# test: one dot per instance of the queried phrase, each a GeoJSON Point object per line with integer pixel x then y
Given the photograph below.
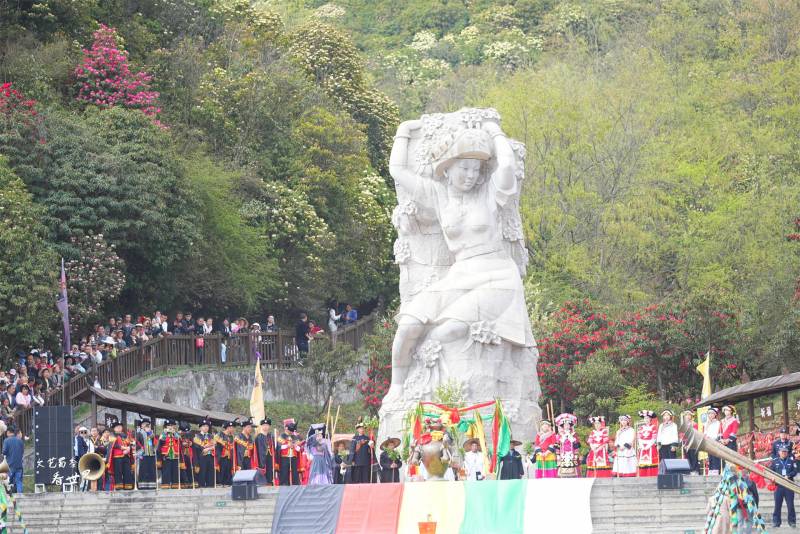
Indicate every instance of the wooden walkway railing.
{"type": "Point", "coordinates": [276, 349]}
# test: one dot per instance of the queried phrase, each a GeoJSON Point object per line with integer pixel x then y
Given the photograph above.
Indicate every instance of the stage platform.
{"type": "Point", "coordinates": [624, 505]}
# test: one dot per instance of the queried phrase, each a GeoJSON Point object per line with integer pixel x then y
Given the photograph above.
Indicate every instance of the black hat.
{"type": "Point", "coordinates": [206, 422]}
{"type": "Point", "coordinates": [169, 422]}
{"type": "Point", "coordinates": [247, 422]}
{"type": "Point", "coordinates": [228, 424]}
{"type": "Point", "coordinates": [266, 421]}
{"type": "Point", "coordinates": [115, 424]}
{"type": "Point", "coordinates": [291, 427]}
{"type": "Point", "coordinates": [143, 420]}
{"type": "Point", "coordinates": [185, 427]}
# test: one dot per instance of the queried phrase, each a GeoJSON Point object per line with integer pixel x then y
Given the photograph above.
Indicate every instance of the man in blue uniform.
{"type": "Point", "coordinates": [784, 466]}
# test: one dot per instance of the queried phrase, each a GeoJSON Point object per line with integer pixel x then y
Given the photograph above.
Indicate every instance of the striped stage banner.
{"type": "Point", "coordinates": [485, 507]}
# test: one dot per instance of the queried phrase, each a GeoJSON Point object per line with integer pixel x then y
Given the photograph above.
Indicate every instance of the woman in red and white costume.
{"type": "Point", "coordinates": [625, 449]}
{"type": "Point", "coordinates": [597, 461]}
{"type": "Point", "coordinates": [713, 431]}
{"type": "Point", "coordinates": [646, 444]}
{"type": "Point", "coordinates": [729, 426]}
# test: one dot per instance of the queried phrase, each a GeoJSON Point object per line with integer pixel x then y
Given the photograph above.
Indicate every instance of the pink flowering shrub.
{"type": "Point", "coordinates": [375, 384]}
{"type": "Point", "coordinates": [105, 79]}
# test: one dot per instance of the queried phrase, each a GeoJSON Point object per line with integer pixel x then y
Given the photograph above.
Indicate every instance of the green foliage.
{"type": "Point", "coordinates": [637, 398]}
{"type": "Point", "coordinates": [327, 365]}
{"type": "Point", "coordinates": [28, 268]}
{"type": "Point", "coordinates": [599, 384]}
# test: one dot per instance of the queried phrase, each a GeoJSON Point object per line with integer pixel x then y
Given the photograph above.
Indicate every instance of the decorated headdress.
{"type": "Point", "coordinates": [543, 422]}
{"type": "Point", "coordinates": [647, 413]}
{"type": "Point", "coordinates": [690, 413]}
{"type": "Point", "coordinates": [287, 422]}
{"type": "Point", "coordinates": [731, 407]}
{"type": "Point", "coordinates": [667, 411]}
{"type": "Point", "coordinates": [316, 426]}
{"type": "Point", "coordinates": [713, 409]}
{"type": "Point", "coordinates": [566, 418]}
{"type": "Point", "coordinates": [597, 419]}
{"type": "Point", "coordinates": [624, 417]}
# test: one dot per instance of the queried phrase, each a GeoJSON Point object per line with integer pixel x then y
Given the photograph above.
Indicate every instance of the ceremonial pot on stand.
{"type": "Point", "coordinates": [436, 458]}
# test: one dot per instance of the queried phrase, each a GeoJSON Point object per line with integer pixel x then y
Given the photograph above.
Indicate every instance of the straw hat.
{"type": "Point", "coordinates": [393, 441]}
{"type": "Point", "coordinates": [469, 442]}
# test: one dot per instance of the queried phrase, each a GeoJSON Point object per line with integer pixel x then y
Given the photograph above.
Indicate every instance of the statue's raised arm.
{"type": "Point", "coordinates": [461, 255]}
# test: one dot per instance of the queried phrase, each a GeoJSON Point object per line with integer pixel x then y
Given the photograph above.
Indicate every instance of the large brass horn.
{"type": "Point", "coordinates": [699, 442]}
{"type": "Point", "coordinates": [91, 466]}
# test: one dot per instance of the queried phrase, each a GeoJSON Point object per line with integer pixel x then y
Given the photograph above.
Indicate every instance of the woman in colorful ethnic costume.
{"type": "Point", "coordinates": [646, 444]}
{"type": "Point", "coordinates": [713, 431]}
{"type": "Point", "coordinates": [729, 426]}
{"type": "Point", "coordinates": [624, 449]}
{"type": "Point", "coordinates": [318, 448]}
{"type": "Point", "coordinates": [568, 446]}
{"type": "Point", "coordinates": [544, 451]}
{"type": "Point", "coordinates": [597, 461]}
{"type": "Point", "coordinates": [667, 440]}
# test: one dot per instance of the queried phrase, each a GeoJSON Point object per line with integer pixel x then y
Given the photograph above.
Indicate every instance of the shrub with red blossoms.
{"type": "Point", "coordinates": [105, 78]}
{"type": "Point", "coordinates": [19, 114]}
{"type": "Point", "coordinates": [375, 384]}
{"type": "Point", "coordinates": [580, 331]}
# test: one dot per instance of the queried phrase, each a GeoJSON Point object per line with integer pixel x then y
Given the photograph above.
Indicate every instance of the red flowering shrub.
{"type": "Point", "coordinates": [19, 114]}
{"type": "Point", "coordinates": [580, 331]}
{"type": "Point", "coordinates": [375, 384]}
{"type": "Point", "coordinates": [105, 78]}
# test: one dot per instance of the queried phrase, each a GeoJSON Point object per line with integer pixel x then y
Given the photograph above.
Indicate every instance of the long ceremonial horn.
{"type": "Point", "coordinates": [699, 442]}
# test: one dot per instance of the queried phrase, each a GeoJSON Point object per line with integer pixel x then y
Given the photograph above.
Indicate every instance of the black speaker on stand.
{"type": "Point", "coordinates": [670, 473]}
{"type": "Point", "coordinates": [245, 484]}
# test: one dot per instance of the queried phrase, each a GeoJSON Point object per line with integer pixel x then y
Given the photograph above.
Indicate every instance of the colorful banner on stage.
{"type": "Point", "coordinates": [485, 507]}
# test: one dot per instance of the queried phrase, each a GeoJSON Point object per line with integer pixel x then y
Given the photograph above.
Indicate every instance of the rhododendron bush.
{"type": "Point", "coordinates": [105, 78]}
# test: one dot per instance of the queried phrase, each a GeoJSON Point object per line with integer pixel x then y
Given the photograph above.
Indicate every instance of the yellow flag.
{"type": "Point", "coordinates": [705, 370]}
{"type": "Point", "coordinates": [257, 396]}
{"type": "Point", "coordinates": [478, 433]}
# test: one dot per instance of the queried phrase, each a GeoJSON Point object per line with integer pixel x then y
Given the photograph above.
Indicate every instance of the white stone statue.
{"type": "Point", "coordinates": [462, 256]}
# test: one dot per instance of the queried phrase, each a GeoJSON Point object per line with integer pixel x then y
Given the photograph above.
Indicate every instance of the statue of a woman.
{"type": "Point", "coordinates": [467, 320]}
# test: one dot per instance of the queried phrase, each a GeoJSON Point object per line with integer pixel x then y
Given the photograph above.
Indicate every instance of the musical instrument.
{"type": "Point", "coordinates": [697, 441]}
{"type": "Point", "coordinates": [91, 466]}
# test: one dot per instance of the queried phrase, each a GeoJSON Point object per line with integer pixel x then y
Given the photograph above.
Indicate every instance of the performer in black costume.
{"type": "Point", "coordinates": [265, 450]}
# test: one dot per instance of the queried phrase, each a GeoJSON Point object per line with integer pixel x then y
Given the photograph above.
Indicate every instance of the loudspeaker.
{"type": "Point", "coordinates": [674, 466]}
{"type": "Point", "coordinates": [670, 481]}
{"type": "Point", "coordinates": [245, 476]}
{"type": "Point", "coordinates": [245, 484]}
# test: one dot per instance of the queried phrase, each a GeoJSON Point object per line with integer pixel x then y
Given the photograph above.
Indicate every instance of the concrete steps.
{"type": "Point", "coordinates": [628, 506]}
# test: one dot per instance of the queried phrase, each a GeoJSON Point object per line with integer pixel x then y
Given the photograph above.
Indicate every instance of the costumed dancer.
{"type": "Point", "coordinates": [689, 453]}
{"type": "Point", "coordinates": [146, 453]}
{"type": "Point", "coordinates": [713, 431]}
{"type": "Point", "coordinates": [187, 465]}
{"type": "Point", "coordinates": [667, 439]}
{"type": "Point", "coordinates": [244, 456]}
{"type": "Point", "coordinates": [361, 455]}
{"type": "Point", "coordinates": [291, 448]}
{"type": "Point", "coordinates": [390, 461]}
{"type": "Point", "coordinates": [318, 449]}
{"type": "Point", "coordinates": [120, 459]}
{"type": "Point", "coordinates": [544, 451]}
{"type": "Point", "coordinates": [224, 452]}
{"type": "Point", "coordinates": [205, 448]}
{"type": "Point", "coordinates": [729, 427]}
{"type": "Point", "coordinates": [265, 450]}
{"type": "Point", "coordinates": [511, 463]}
{"type": "Point", "coordinates": [473, 459]}
{"type": "Point", "coordinates": [568, 445]}
{"type": "Point", "coordinates": [598, 464]}
{"type": "Point", "coordinates": [624, 449]}
{"type": "Point", "coordinates": [169, 452]}
{"type": "Point", "coordinates": [341, 473]}
{"type": "Point", "coordinates": [646, 444]}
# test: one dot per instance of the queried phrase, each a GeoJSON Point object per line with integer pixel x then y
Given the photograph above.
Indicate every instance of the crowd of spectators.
{"type": "Point", "coordinates": [39, 371]}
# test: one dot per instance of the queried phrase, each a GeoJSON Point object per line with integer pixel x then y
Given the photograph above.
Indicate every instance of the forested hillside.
{"type": "Point", "coordinates": [662, 181]}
